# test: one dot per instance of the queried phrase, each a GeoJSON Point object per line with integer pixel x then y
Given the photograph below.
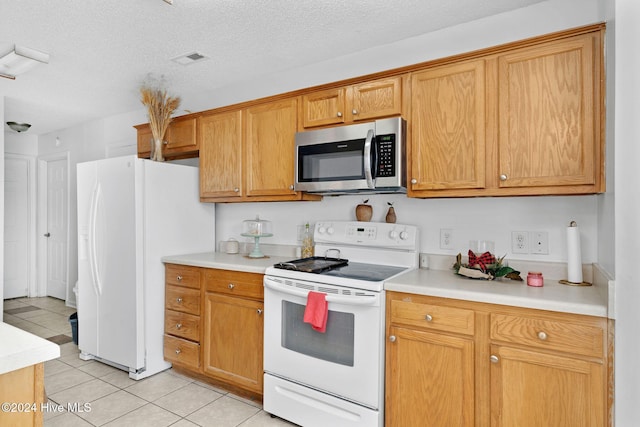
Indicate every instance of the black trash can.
{"type": "Point", "coordinates": [73, 319]}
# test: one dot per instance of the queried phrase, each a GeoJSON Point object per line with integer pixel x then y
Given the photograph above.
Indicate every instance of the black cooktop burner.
{"type": "Point", "coordinates": [314, 264]}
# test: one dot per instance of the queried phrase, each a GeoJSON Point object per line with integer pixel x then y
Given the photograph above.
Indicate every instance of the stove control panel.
{"type": "Point", "coordinates": [371, 234]}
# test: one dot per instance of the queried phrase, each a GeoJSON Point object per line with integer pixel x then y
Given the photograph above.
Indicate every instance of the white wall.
{"type": "Point", "coordinates": [1, 209]}
{"type": "Point", "coordinates": [627, 212]}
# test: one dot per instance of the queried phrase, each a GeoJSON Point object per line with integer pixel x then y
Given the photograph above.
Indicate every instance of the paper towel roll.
{"type": "Point", "coordinates": [574, 256]}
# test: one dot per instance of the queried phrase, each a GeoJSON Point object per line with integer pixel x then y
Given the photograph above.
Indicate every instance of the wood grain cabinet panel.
{"type": "Point", "coordinates": [179, 141]}
{"type": "Point", "coordinates": [182, 352]}
{"type": "Point", "coordinates": [548, 111]}
{"type": "Point", "coordinates": [448, 127]}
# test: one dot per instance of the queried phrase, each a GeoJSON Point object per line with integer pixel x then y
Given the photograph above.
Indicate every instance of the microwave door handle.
{"type": "Point", "coordinates": [368, 172]}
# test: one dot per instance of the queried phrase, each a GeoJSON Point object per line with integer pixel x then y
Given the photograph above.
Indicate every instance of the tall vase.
{"type": "Point", "coordinates": [156, 150]}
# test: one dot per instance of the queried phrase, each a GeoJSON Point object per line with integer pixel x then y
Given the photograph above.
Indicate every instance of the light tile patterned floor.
{"type": "Point", "coordinates": [164, 399]}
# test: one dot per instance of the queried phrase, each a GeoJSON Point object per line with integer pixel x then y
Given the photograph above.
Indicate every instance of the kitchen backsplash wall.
{"type": "Point", "coordinates": [488, 218]}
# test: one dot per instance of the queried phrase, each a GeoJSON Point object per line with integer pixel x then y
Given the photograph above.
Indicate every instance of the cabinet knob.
{"type": "Point", "coordinates": [354, 112]}
{"type": "Point", "coordinates": [392, 338]}
{"type": "Point", "coordinates": [231, 286]}
{"type": "Point", "coordinates": [414, 181]}
{"type": "Point", "coordinates": [259, 311]}
{"type": "Point", "coordinates": [291, 187]}
{"type": "Point", "coordinates": [428, 318]}
{"type": "Point", "coordinates": [339, 114]}
{"type": "Point", "coordinates": [178, 351]}
{"type": "Point", "coordinates": [236, 189]}
{"type": "Point", "coordinates": [178, 325]}
{"type": "Point", "coordinates": [179, 278]}
{"type": "Point", "coordinates": [165, 142]}
{"type": "Point", "coordinates": [542, 335]}
{"type": "Point", "coordinates": [503, 177]}
{"type": "Point", "coordinates": [494, 358]}
{"type": "Point", "coordinates": [179, 300]}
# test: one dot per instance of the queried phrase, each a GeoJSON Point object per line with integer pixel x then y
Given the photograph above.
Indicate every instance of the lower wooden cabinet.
{"type": "Point", "coordinates": [452, 362]}
{"type": "Point", "coordinates": [214, 325]}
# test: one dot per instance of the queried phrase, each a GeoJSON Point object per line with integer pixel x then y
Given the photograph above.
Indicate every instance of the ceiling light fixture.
{"type": "Point", "coordinates": [19, 127]}
{"type": "Point", "coordinates": [21, 59]}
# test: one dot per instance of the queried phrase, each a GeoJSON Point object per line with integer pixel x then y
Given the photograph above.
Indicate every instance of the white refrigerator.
{"type": "Point", "coordinates": [131, 213]}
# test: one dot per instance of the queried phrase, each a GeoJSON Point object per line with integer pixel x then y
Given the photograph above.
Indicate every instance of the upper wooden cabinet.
{"type": "Point", "coordinates": [179, 141]}
{"type": "Point", "coordinates": [364, 101]}
{"type": "Point", "coordinates": [548, 109]}
{"type": "Point", "coordinates": [448, 127]}
{"type": "Point", "coordinates": [523, 121]}
{"type": "Point", "coordinates": [248, 154]}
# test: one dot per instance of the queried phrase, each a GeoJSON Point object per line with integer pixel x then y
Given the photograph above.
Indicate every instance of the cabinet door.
{"type": "Point", "coordinates": [145, 140]}
{"type": "Point", "coordinates": [380, 98]}
{"type": "Point", "coordinates": [270, 148]}
{"type": "Point", "coordinates": [547, 111]}
{"type": "Point", "coordinates": [448, 128]}
{"type": "Point", "coordinates": [181, 136]}
{"type": "Point", "coordinates": [220, 138]}
{"type": "Point", "coordinates": [326, 107]}
{"type": "Point", "coordinates": [430, 379]}
{"type": "Point", "coordinates": [233, 340]}
{"type": "Point", "coordinates": [535, 389]}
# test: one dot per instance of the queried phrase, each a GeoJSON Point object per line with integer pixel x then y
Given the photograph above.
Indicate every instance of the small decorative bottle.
{"type": "Point", "coordinates": [307, 242]}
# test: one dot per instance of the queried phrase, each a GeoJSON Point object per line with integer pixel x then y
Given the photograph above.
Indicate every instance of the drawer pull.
{"type": "Point", "coordinates": [494, 358]}
{"type": "Point", "coordinates": [392, 338]}
{"type": "Point", "coordinates": [503, 177]}
{"type": "Point", "coordinates": [178, 351]}
{"type": "Point", "coordinates": [179, 300]}
{"type": "Point", "coordinates": [178, 325]}
{"type": "Point", "coordinates": [259, 311]}
{"type": "Point", "coordinates": [339, 114]}
{"type": "Point", "coordinates": [179, 278]}
{"type": "Point", "coordinates": [231, 286]}
{"type": "Point", "coordinates": [428, 318]}
{"type": "Point", "coordinates": [542, 335]}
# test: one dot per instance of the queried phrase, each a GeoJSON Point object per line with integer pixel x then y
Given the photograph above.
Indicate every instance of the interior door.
{"type": "Point", "coordinates": [57, 228]}
{"type": "Point", "coordinates": [16, 228]}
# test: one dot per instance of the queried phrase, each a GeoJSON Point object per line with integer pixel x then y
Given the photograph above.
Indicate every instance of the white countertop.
{"type": "Point", "coordinates": [225, 261]}
{"type": "Point", "coordinates": [553, 296]}
{"type": "Point", "coordinates": [20, 349]}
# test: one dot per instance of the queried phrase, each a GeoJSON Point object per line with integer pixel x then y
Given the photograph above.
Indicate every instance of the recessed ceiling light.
{"type": "Point", "coordinates": [190, 58]}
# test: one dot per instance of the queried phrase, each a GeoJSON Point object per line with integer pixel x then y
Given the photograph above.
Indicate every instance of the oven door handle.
{"type": "Point", "coordinates": [359, 300]}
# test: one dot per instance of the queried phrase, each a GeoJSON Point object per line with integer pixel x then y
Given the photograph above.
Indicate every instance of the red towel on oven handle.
{"type": "Point", "coordinates": [317, 311]}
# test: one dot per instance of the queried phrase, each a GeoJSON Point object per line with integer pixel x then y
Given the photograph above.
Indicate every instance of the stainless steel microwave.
{"type": "Point", "coordinates": [359, 158]}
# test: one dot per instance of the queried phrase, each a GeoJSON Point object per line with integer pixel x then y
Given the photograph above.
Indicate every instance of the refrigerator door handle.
{"type": "Point", "coordinates": [93, 224]}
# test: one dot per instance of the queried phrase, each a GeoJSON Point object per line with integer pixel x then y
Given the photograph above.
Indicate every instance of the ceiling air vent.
{"type": "Point", "coordinates": [190, 58]}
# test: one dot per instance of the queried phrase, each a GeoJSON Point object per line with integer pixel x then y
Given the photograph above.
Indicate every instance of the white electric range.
{"type": "Point", "coordinates": [335, 377]}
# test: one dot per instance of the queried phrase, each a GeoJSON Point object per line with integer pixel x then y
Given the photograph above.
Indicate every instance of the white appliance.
{"type": "Point", "coordinates": [131, 212]}
{"type": "Point", "coordinates": [335, 378]}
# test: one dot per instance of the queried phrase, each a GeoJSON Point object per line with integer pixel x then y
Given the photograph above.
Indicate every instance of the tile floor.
{"type": "Point", "coordinates": [164, 399]}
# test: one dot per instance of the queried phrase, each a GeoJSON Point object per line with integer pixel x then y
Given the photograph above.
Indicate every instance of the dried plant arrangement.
{"type": "Point", "coordinates": [160, 106]}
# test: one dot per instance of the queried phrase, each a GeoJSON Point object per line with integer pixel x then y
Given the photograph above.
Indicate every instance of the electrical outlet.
{"type": "Point", "coordinates": [539, 242]}
{"type": "Point", "coordinates": [520, 242]}
{"type": "Point", "coordinates": [446, 238]}
{"type": "Point", "coordinates": [424, 261]}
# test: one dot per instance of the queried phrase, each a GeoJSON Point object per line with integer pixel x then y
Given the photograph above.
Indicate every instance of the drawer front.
{"type": "Point", "coordinates": [566, 336]}
{"type": "Point", "coordinates": [182, 275]}
{"type": "Point", "coordinates": [433, 317]}
{"type": "Point", "coordinates": [183, 300]}
{"type": "Point", "coordinates": [182, 325]}
{"type": "Point", "coordinates": [177, 350]}
{"type": "Point", "coordinates": [234, 283]}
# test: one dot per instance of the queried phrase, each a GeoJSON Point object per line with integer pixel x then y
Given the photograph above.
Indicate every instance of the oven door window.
{"type": "Point", "coordinates": [335, 345]}
{"type": "Point", "coordinates": [335, 161]}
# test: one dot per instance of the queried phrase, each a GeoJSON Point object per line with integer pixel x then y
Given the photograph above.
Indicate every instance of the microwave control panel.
{"type": "Point", "coordinates": [386, 150]}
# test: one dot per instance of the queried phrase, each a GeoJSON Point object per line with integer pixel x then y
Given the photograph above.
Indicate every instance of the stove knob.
{"type": "Point", "coordinates": [330, 230]}
{"type": "Point", "coordinates": [321, 230]}
{"type": "Point", "coordinates": [393, 234]}
{"type": "Point", "coordinates": [404, 235]}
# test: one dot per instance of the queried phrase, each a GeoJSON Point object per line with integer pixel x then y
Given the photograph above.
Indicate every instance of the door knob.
{"type": "Point", "coordinates": [47, 234]}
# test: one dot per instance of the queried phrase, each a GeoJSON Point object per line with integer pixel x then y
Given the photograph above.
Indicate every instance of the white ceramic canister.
{"type": "Point", "coordinates": [232, 246]}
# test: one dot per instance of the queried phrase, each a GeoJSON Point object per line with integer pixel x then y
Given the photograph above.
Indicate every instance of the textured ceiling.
{"type": "Point", "coordinates": [101, 51]}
